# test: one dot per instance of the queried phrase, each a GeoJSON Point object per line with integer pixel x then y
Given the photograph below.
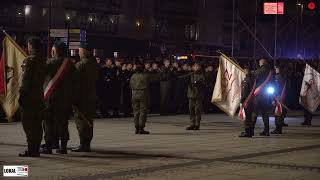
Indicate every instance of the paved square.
{"type": "Point", "coordinates": [171, 152]}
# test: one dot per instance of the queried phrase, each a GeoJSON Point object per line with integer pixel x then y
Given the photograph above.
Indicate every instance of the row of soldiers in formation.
{"type": "Point", "coordinates": [50, 90]}
{"type": "Point", "coordinates": [168, 95]}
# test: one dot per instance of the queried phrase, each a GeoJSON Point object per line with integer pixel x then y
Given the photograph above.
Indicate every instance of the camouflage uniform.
{"type": "Point", "coordinates": [31, 100]}
{"type": "Point", "coordinates": [139, 84]}
{"type": "Point", "coordinates": [87, 72]}
{"type": "Point", "coordinates": [195, 95]}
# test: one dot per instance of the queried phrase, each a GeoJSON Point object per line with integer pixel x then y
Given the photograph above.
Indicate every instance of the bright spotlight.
{"type": "Point", "coordinates": [270, 90]}
{"type": "Point", "coordinates": [27, 10]}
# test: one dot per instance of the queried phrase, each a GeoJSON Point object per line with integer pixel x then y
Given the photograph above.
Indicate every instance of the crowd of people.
{"type": "Point", "coordinates": [167, 96]}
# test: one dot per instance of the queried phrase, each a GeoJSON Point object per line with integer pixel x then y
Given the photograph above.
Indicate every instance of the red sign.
{"type": "Point", "coordinates": [273, 8]}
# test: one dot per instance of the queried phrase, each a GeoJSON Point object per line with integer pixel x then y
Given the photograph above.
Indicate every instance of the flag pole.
{"type": "Point", "coordinates": [14, 42]}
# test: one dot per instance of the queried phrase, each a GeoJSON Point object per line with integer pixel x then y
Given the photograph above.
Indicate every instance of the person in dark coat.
{"type": "Point", "coordinates": [107, 78]}
{"type": "Point", "coordinates": [165, 88]}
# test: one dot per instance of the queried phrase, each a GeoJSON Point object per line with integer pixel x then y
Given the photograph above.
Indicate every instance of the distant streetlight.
{"type": "Point", "coordinates": [138, 23]}
{"type": "Point", "coordinates": [90, 19]}
{"type": "Point", "coordinates": [299, 4]}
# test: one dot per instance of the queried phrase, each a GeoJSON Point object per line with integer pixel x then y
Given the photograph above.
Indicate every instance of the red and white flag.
{"type": "Point", "coordinates": [310, 89]}
{"type": "Point", "coordinates": [227, 90]}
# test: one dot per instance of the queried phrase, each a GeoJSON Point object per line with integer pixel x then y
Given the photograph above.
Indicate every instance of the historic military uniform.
{"type": "Point", "coordinates": [87, 72]}
{"type": "Point", "coordinates": [261, 101]}
{"type": "Point", "coordinates": [246, 88]}
{"type": "Point", "coordinates": [31, 101]}
{"type": "Point", "coordinates": [195, 95]}
{"type": "Point", "coordinates": [59, 104]}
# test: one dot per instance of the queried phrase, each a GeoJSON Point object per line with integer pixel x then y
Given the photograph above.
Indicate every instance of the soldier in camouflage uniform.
{"type": "Point", "coordinates": [195, 95]}
{"type": "Point", "coordinates": [87, 72]}
{"type": "Point", "coordinates": [139, 84]}
{"type": "Point", "coordinates": [31, 97]}
{"type": "Point", "coordinates": [59, 103]}
{"type": "Point", "coordinates": [246, 87]}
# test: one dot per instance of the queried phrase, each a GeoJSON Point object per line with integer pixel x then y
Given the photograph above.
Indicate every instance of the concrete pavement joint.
{"type": "Point", "coordinates": [277, 166]}
{"type": "Point", "coordinates": [199, 162]}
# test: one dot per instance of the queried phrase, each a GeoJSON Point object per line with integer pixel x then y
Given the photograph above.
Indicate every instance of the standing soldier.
{"type": "Point", "coordinates": [87, 69]}
{"type": "Point", "coordinates": [195, 95]}
{"type": "Point", "coordinates": [59, 89]}
{"type": "Point", "coordinates": [263, 76]}
{"type": "Point", "coordinates": [139, 84]}
{"type": "Point", "coordinates": [246, 87]}
{"type": "Point", "coordinates": [31, 97]}
{"type": "Point", "coordinates": [280, 83]}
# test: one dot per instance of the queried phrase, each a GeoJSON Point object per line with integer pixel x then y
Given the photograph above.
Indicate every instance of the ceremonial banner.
{"type": "Point", "coordinates": [310, 89]}
{"type": "Point", "coordinates": [227, 90]}
{"type": "Point", "coordinates": [12, 59]}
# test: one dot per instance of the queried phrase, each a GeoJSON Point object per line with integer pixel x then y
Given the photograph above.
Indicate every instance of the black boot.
{"type": "Point", "coordinates": [142, 131]}
{"type": "Point", "coordinates": [31, 152]}
{"type": "Point", "coordinates": [246, 133]}
{"type": "Point", "coordinates": [265, 133]}
{"type": "Point", "coordinates": [137, 130]}
{"type": "Point", "coordinates": [190, 128]}
{"type": "Point", "coordinates": [63, 147]}
{"type": "Point", "coordinates": [277, 131]}
{"type": "Point", "coordinates": [55, 145]}
{"type": "Point", "coordinates": [47, 149]}
{"type": "Point", "coordinates": [196, 128]}
{"type": "Point", "coordinates": [84, 147]}
{"type": "Point", "coordinates": [306, 123]}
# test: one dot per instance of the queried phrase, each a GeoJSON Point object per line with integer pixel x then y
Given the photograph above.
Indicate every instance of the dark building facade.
{"type": "Point", "coordinates": [164, 27]}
